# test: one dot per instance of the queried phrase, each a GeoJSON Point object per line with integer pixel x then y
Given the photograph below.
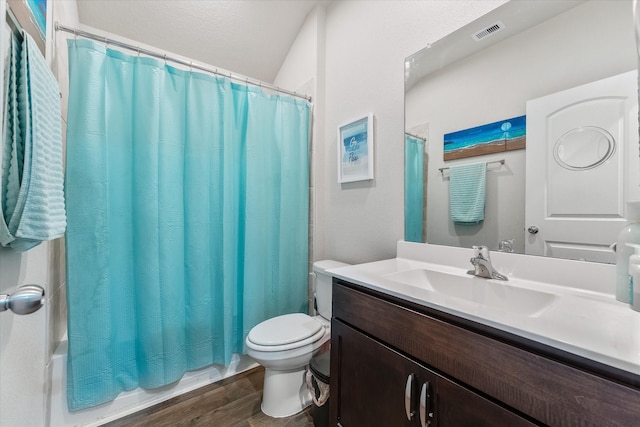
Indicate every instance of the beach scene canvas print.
{"type": "Point", "coordinates": [505, 135]}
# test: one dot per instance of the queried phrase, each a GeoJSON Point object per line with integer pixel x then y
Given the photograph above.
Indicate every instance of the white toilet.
{"type": "Point", "coordinates": [284, 345]}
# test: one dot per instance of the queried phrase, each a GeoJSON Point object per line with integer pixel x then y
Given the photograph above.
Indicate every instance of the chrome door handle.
{"type": "Point", "coordinates": [25, 300]}
{"type": "Point", "coordinates": [408, 397]}
{"type": "Point", "coordinates": [425, 410]}
{"type": "Point", "coordinates": [533, 229]}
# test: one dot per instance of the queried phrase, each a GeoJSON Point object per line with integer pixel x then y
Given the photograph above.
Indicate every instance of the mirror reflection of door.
{"type": "Point", "coordinates": [586, 148]}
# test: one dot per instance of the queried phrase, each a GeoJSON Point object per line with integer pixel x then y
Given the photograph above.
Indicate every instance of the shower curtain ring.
{"type": "Point", "coordinates": [165, 59]}
{"type": "Point", "coordinates": [190, 65]}
{"type": "Point", "coordinates": [138, 51]}
{"type": "Point", "coordinates": [75, 33]}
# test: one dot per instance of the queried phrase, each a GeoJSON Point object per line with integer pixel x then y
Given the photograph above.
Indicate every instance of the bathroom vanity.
{"type": "Point", "coordinates": [412, 348]}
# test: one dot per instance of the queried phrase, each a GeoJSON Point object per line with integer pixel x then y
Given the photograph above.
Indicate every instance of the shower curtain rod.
{"type": "Point", "coordinates": [421, 138]}
{"type": "Point", "coordinates": [165, 57]}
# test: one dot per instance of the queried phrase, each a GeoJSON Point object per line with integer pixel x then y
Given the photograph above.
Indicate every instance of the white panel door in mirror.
{"type": "Point", "coordinates": [583, 148]}
{"type": "Point", "coordinates": [582, 161]}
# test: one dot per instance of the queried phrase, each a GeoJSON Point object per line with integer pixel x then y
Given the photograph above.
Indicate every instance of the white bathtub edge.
{"type": "Point", "coordinates": [132, 401]}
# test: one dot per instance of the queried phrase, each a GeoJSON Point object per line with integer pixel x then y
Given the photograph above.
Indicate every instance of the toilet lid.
{"type": "Point", "coordinates": [285, 329]}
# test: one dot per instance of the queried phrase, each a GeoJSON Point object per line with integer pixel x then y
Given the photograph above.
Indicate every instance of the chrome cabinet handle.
{"type": "Point", "coordinates": [408, 397]}
{"type": "Point", "coordinates": [425, 411]}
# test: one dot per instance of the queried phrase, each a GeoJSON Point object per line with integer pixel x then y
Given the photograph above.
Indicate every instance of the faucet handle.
{"type": "Point", "coordinates": [506, 245]}
{"type": "Point", "coordinates": [481, 251]}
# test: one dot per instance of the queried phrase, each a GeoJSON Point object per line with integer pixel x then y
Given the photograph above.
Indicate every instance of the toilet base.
{"type": "Point", "coordinates": [285, 393]}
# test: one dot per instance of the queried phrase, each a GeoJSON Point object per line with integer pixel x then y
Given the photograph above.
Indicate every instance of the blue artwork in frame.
{"type": "Point", "coordinates": [355, 150]}
{"type": "Point", "coordinates": [38, 9]}
{"type": "Point", "coordinates": [504, 135]}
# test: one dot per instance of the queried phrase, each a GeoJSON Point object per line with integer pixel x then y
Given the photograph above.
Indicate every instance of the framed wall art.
{"type": "Point", "coordinates": [505, 135]}
{"type": "Point", "coordinates": [355, 150]}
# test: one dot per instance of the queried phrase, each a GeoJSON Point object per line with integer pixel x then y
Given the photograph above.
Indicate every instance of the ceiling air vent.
{"type": "Point", "coordinates": [490, 30]}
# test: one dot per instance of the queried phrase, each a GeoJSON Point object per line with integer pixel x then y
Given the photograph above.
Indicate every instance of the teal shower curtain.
{"type": "Point", "coordinates": [413, 188]}
{"type": "Point", "coordinates": [187, 200]}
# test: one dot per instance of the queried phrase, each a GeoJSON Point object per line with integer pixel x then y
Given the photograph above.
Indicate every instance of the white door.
{"type": "Point", "coordinates": [23, 342]}
{"type": "Point", "coordinates": [23, 339]}
{"type": "Point", "coordinates": [582, 168]}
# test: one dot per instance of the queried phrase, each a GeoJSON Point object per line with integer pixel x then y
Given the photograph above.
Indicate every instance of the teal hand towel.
{"type": "Point", "coordinates": [12, 145]}
{"type": "Point", "coordinates": [32, 137]}
{"type": "Point", "coordinates": [467, 192]}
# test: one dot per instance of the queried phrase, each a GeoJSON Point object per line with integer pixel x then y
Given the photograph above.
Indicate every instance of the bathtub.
{"type": "Point", "coordinates": [127, 402]}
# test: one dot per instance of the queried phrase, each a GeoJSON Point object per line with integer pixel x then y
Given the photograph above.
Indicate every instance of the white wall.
{"type": "Point", "coordinates": [471, 92]}
{"type": "Point", "coordinates": [366, 44]}
{"type": "Point", "coordinates": [303, 72]}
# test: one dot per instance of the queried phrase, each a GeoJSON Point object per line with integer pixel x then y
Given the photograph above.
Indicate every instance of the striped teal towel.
{"type": "Point", "coordinates": [466, 192]}
{"type": "Point", "coordinates": [31, 190]}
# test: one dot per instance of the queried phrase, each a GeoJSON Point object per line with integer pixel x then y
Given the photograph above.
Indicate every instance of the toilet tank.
{"type": "Point", "coordinates": [322, 285]}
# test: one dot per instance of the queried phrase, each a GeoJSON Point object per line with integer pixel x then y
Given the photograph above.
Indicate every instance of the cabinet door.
{"type": "Point", "coordinates": [369, 388]}
{"type": "Point", "coordinates": [458, 406]}
{"type": "Point", "coordinates": [369, 382]}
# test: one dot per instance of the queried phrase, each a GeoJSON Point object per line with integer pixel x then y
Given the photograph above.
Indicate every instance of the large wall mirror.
{"type": "Point", "coordinates": [568, 70]}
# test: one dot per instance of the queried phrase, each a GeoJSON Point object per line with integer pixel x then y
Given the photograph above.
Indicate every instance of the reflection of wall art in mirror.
{"type": "Point", "coordinates": [355, 150]}
{"type": "Point", "coordinates": [504, 135]}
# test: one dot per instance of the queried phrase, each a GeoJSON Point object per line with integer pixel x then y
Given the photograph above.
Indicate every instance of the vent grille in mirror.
{"type": "Point", "coordinates": [490, 30]}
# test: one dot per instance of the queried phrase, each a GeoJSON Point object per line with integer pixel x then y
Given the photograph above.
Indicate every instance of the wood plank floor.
{"type": "Point", "coordinates": [232, 402]}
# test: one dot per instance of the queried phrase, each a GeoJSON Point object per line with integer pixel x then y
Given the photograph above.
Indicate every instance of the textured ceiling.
{"type": "Point", "coordinates": [248, 37]}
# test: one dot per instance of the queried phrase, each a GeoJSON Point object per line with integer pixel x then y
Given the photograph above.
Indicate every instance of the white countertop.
{"type": "Point", "coordinates": [580, 320]}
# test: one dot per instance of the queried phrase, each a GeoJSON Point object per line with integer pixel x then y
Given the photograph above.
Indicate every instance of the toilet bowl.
{"type": "Point", "coordinates": [285, 359]}
{"type": "Point", "coordinates": [285, 344]}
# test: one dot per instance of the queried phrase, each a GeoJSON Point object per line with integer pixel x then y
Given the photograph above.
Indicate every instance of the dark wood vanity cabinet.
{"type": "Point", "coordinates": [378, 386]}
{"type": "Point", "coordinates": [384, 352]}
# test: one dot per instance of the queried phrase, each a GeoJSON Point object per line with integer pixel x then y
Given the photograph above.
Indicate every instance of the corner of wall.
{"type": "Point", "coordinates": [303, 72]}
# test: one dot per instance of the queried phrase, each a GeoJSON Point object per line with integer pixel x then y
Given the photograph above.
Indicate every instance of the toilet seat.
{"type": "Point", "coordinates": [285, 333]}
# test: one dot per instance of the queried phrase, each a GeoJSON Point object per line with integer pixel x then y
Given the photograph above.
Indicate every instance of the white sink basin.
{"type": "Point", "coordinates": [493, 294]}
{"type": "Point", "coordinates": [569, 305]}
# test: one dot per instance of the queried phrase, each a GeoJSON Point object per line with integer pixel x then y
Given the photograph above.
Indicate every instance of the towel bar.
{"type": "Point", "coordinates": [501, 161]}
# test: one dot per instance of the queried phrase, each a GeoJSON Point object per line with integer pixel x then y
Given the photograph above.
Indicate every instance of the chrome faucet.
{"type": "Point", "coordinates": [506, 246]}
{"type": "Point", "coordinates": [482, 264]}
